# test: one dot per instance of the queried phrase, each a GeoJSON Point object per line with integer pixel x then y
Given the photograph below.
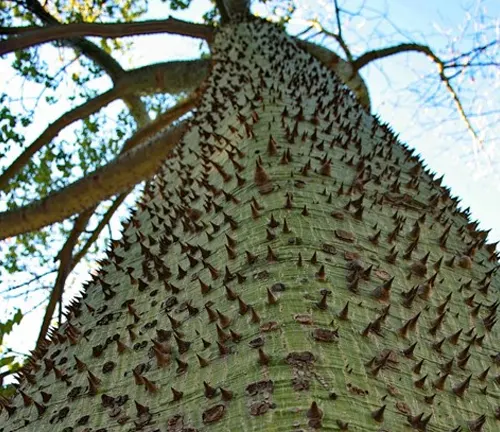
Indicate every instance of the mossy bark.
{"type": "Point", "coordinates": [293, 267]}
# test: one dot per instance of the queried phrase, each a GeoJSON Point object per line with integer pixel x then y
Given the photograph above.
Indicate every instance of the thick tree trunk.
{"type": "Point", "coordinates": [294, 267]}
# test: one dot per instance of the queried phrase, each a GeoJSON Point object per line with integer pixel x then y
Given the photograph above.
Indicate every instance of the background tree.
{"type": "Point", "coordinates": [49, 162]}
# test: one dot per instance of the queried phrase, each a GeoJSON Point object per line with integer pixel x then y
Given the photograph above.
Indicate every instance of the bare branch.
{"type": "Point", "coordinates": [370, 56]}
{"type": "Point", "coordinates": [378, 54]}
{"type": "Point", "coordinates": [28, 282]}
{"type": "Point", "coordinates": [105, 30]}
{"type": "Point", "coordinates": [338, 37]}
{"type": "Point", "coordinates": [321, 30]}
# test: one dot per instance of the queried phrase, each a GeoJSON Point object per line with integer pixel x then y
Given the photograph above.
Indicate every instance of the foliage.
{"type": "Point", "coordinates": [8, 361]}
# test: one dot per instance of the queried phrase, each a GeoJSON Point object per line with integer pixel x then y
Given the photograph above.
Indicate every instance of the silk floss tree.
{"type": "Point", "coordinates": [290, 266]}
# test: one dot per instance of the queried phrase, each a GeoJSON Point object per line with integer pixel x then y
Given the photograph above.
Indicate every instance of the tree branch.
{"type": "Point", "coordinates": [98, 229]}
{"type": "Point", "coordinates": [373, 55]}
{"type": "Point", "coordinates": [53, 130]}
{"type": "Point", "coordinates": [378, 54]}
{"type": "Point", "coordinates": [102, 59]}
{"type": "Point", "coordinates": [63, 271]}
{"type": "Point", "coordinates": [161, 123]}
{"type": "Point", "coordinates": [170, 77]}
{"type": "Point", "coordinates": [122, 173]}
{"type": "Point", "coordinates": [89, 49]}
{"type": "Point", "coordinates": [338, 37]}
{"type": "Point", "coordinates": [42, 35]}
{"type": "Point", "coordinates": [28, 282]}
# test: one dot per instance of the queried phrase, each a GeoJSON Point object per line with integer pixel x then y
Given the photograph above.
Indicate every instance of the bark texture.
{"type": "Point", "coordinates": [293, 268]}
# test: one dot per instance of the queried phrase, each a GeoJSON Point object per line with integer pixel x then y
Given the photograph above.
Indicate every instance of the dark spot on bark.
{"type": "Point", "coordinates": [150, 325]}
{"type": "Point", "coordinates": [60, 416]}
{"type": "Point", "coordinates": [259, 408]}
{"type": "Point", "coordinates": [108, 366]}
{"type": "Point", "coordinates": [140, 345]}
{"type": "Point", "coordinates": [303, 318]}
{"type": "Point", "coordinates": [329, 248]}
{"type": "Point", "coordinates": [74, 392]}
{"type": "Point", "coordinates": [325, 335]}
{"type": "Point", "coordinates": [299, 357]}
{"type": "Point", "coordinates": [300, 383]}
{"type": "Point", "coordinates": [269, 326]}
{"type": "Point", "coordinates": [169, 303]}
{"type": "Point", "coordinates": [278, 287]}
{"type": "Point", "coordinates": [345, 235]}
{"type": "Point", "coordinates": [97, 350]}
{"type": "Point", "coordinates": [213, 414]}
{"type": "Point", "coordinates": [356, 390]}
{"type": "Point", "coordinates": [83, 420]}
{"type": "Point", "coordinates": [260, 387]}
{"type": "Point", "coordinates": [107, 401]}
{"type": "Point", "coordinates": [257, 342]}
{"type": "Point", "coordinates": [55, 354]}
{"type": "Point", "coordinates": [261, 275]}
{"type": "Point", "coordinates": [102, 309]}
{"type": "Point", "coordinates": [338, 215]}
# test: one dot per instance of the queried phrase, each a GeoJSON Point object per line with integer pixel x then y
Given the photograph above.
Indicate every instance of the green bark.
{"type": "Point", "coordinates": [293, 268]}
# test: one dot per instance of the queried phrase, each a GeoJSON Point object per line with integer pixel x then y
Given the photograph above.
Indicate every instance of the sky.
{"type": "Point", "coordinates": [471, 177]}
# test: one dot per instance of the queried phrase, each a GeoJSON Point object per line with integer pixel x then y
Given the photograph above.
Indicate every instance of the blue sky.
{"type": "Point", "coordinates": [473, 178]}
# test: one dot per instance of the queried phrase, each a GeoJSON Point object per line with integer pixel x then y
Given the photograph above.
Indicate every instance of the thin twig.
{"type": "Point", "coordinates": [338, 37]}
{"type": "Point", "coordinates": [33, 279]}
{"type": "Point", "coordinates": [370, 56]}
{"type": "Point", "coordinates": [97, 230]}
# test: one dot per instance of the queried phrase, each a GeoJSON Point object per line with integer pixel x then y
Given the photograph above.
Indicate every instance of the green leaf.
{"type": "Point", "coordinates": [5, 361]}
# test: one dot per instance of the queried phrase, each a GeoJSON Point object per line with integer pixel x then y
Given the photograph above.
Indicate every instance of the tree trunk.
{"type": "Point", "coordinates": [292, 268]}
